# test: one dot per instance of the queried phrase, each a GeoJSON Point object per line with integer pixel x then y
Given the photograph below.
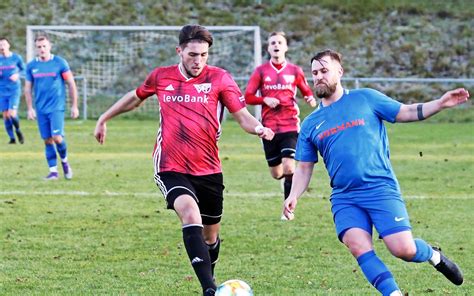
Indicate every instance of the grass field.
{"type": "Point", "coordinates": [107, 231]}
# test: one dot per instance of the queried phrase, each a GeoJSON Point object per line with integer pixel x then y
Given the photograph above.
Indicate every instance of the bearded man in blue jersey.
{"type": "Point", "coordinates": [348, 131]}
{"type": "Point", "coordinates": [47, 74]}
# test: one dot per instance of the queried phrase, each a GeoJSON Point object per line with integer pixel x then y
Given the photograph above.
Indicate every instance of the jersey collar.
{"type": "Point", "coordinates": [344, 93]}
{"type": "Point", "coordinates": [51, 57]}
{"type": "Point", "coordinates": [180, 67]}
{"type": "Point", "coordinates": [282, 67]}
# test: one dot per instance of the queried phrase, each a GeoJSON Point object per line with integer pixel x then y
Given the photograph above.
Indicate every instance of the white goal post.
{"type": "Point", "coordinates": [115, 59]}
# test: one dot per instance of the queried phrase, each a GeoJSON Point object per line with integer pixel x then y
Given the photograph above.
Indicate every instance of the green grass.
{"type": "Point", "coordinates": [107, 231]}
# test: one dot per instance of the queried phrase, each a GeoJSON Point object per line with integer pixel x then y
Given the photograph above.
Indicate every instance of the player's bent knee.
{"type": "Point", "coordinates": [188, 211]}
{"type": "Point", "coordinates": [49, 141]}
{"type": "Point", "coordinates": [277, 175]}
{"type": "Point", "coordinates": [403, 251]}
{"type": "Point", "coordinates": [357, 241]}
{"type": "Point", "coordinates": [289, 169]}
{"type": "Point", "coordinates": [358, 247]}
{"type": "Point", "coordinates": [189, 217]}
{"type": "Point", "coordinates": [58, 139]}
{"type": "Point", "coordinates": [211, 233]}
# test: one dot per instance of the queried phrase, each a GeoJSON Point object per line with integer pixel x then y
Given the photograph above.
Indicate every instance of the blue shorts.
{"type": "Point", "coordinates": [388, 216]}
{"type": "Point", "coordinates": [51, 124]}
{"type": "Point", "coordinates": [10, 101]}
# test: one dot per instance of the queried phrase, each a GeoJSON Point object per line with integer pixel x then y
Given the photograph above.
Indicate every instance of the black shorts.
{"type": "Point", "coordinates": [207, 190]}
{"type": "Point", "coordinates": [282, 145]}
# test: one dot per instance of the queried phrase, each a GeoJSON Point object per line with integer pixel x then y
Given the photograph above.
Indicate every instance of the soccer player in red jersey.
{"type": "Point", "coordinates": [192, 96]}
{"type": "Point", "coordinates": [277, 81]}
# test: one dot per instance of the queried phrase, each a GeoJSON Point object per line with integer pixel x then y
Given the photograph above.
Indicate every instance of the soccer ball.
{"type": "Point", "coordinates": [234, 288]}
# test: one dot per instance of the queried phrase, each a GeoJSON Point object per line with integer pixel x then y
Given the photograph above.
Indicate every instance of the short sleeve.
{"type": "Point", "coordinates": [230, 94]}
{"type": "Point", "coordinates": [20, 64]}
{"type": "Point", "coordinates": [64, 66]}
{"type": "Point", "coordinates": [382, 105]}
{"type": "Point", "coordinates": [306, 150]}
{"type": "Point", "coordinates": [148, 87]}
{"type": "Point", "coordinates": [302, 83]}
{"type": "Point", "coordinates": [28, 75]}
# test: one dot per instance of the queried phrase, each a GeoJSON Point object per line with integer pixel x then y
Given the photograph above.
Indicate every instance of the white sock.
{"type": "Point", "coordinates": [396, 293]}
{"type": "Point", "coordinates": [64, 159]}
{"type": "Point", "coordinates": [435, 259]}
{"type": "Point", "coordinates": [53, 169]}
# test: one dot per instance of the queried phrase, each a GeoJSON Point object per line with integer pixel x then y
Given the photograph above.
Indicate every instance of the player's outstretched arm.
{"type": "Point", "coordinates": [420, 111]}
{"type": "Point", "coordinates": [251, 125]}
{"type": "Point", "coordinates": [301, 178]}
{"type": "Point", "coordinates": [127, 103]}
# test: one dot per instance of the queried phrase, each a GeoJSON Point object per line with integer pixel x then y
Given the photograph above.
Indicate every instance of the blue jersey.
{"type": "Point", "coordinates": [9, 66]}
{"type": "Point", "coordinates": [352, 140]}
{"type": "Point", "coordinates": [48, 84]}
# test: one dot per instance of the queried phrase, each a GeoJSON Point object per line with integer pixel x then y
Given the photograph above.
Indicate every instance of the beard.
{"type": "Point", "coordinates": [190, 74]}
{"type": "Point", "coordinates": [323, 90]}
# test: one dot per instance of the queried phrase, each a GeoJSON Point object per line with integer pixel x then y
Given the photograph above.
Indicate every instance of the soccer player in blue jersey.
{"type": "Point", "coordinates": [47, 75]}
{"type": "Point", "coordinates": [348, 132]}
{"type": "Point", "coordinates": [11, 67]}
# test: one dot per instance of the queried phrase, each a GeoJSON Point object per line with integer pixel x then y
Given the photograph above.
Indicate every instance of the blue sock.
{"type": "Point", "coordinates": [377, 273]}
{"type": "Point", "coordinates": [50, 152]}
{"type": "Point", "coordinates": [9, 127]}
{"type": "Point", "coordinates": [62, 149]}
{"type": "Point", "coordinates": [16, 122]}
{"type": "Point", "coordinates": [423, 251]}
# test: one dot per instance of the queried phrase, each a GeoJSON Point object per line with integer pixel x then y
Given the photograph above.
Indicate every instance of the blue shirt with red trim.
{"type": "Point", "coordinates": [351, 138]}
{"type": "Point", "coordinates": [49, 88]}
{"type": "Point", "coordinates": [9, 66]}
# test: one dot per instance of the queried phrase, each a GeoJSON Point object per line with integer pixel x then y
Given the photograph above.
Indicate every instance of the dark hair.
{"type": "Point", "coordinates": [41, 37]}
{"type": "Point", "coordinates": [327, 52]}
{"type": "Point", "coordinates": [194, 32]}
{"type": "Point", "coordinates": [5, 38]}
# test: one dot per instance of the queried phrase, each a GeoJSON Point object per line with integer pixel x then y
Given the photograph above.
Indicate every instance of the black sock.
{"type": "Point", "coordinates": [198, 255]}
{"type": "Point", "coordinates": [287, 185]}
{"type": "Point", "coordinates": [16, 123]}
{"type": "Point", "coordinates": [214, 253]}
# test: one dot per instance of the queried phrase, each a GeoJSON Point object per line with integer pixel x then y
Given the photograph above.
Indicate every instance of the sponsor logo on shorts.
{"type": "Point", "coordinates": [398, 219]}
